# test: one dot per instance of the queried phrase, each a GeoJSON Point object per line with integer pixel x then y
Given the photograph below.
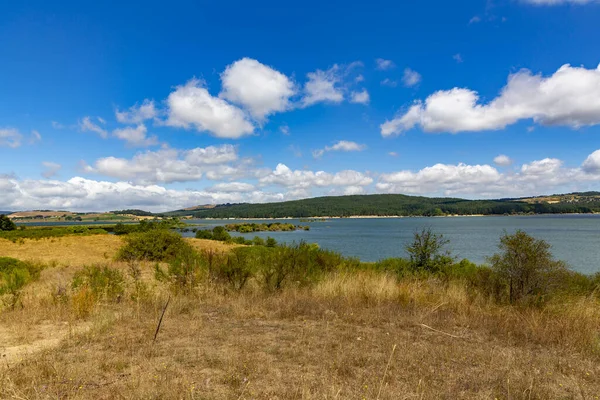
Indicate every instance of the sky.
{"type": "Point", "coordinates": [166, 105]}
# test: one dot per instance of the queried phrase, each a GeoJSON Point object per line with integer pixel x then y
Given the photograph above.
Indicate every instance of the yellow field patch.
{"type": "Point", "coordinates": [82, 250]}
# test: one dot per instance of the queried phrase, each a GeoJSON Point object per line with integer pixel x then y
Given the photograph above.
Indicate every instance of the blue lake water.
{"type": "Point", "coordinates": [574, 238]}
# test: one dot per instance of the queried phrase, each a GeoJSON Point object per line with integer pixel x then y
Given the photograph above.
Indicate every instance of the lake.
{"type": "Point", "coordinates": [574, 238]}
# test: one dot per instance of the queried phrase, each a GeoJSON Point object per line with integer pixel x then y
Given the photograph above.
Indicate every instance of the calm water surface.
{"type": "Point", "coordinates": [574, 238]}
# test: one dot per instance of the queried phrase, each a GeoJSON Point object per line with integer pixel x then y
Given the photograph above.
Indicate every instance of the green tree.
{"type": "Point", "coordinates": [6, 224]}
{"type": "Point", "coordinates": [219, 233]}
{"type": "Point", "coordinates": [426, 251]}
{"type": "Point", "coordinates": [526, 267]}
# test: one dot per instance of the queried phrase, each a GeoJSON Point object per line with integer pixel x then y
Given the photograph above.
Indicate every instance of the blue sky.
{"type": "Point", "coordinates": [166, 105]}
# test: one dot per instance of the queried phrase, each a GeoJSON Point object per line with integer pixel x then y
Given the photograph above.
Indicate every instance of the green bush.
{"type": "Point", "coordinates": [271, 242]}
{"type": "Point", "coordinates": [6, 224]}
{"type": "Point", "coordinates": [258, 241]}
{"type": "Point", "coordinates": [14, 275]}
{"type": "Point", "coordinates": [185, 272]}
{"type": "Point", "coordinates": [204, 234]}
{"type": "Point", "coordinates": [155, 245]}
{"type": "Point", "coordinates": [526, 268]}
{"type": "Point", "coordinates": [220, 234]}
{"type": "Point", "coordinates": [426, 252]}
{"type": "Point", "coordinates": [102, 281]}
{"type": "Point", "coordinates": [236, 268]}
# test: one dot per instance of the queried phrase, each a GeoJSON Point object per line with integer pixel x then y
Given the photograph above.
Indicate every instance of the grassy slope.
{"type": "Point", "coordinates": [335, 340]}
{"type": "Point", "coordinates": [384, 205]}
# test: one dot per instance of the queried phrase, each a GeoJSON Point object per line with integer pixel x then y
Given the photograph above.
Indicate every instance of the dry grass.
{"type": "Point", "coordinates": [332, 341]}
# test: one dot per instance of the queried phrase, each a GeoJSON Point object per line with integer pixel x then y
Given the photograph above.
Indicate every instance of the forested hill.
{"type": "Point", "coordinates": [387, 205]}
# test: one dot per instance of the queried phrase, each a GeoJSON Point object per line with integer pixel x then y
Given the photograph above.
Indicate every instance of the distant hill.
{"type": "Point", "coordinates": [398, 205]}
{"type": "Point", "coordinates": [5, 212]}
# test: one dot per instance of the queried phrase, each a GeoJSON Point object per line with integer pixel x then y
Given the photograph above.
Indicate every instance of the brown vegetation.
{"type": "Point", "coordinates": [355, 335]}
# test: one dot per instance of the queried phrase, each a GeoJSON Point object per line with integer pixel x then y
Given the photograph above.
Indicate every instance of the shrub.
{"type": "Point", "coordinates": [219, 233]}
{"type": "Point", "coordinates": [156, 245]}
{"type": "Point", "coordinates": [185, 271]}
{"type": "Point", "coordinates": [399, 266]}
{"type": "Point", "coordinates": [204, 234]}
{"type": "Point", "coordinates": [426, 251]}
{"type": "Point", "coordinates": [236, 268]}
{"type": "Point", "coordinates": [14, 275]}
{"type": "Point", "coordinates": [258, 241]}
{"type": "Point", "coordinates": [6, 224]}
{"type": "Point", "coordinates": [526, 268]}
{"type": "Point", "coordinates": [101, 281]}
{"type": "Point", "coordinates": [271, 242]}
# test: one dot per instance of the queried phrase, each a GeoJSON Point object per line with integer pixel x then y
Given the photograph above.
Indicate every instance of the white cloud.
{"type": "Point", "coordinates": [502, 160]}
{"type": "Point", "coordinates": [257, 87]}
{"type": "Point", "coordinates": [361, 97]}
{"type": "Point", "coordinates": [342, 145]}
{"type": "Point", "coordinates": [557, 2]}
{"type": "Point", "coordinates": [359, 78]}
{"type": "Point", "coordinates": [323, 86]}
{"type": "Point", "coordinates": [136, 137]}
{"type": "Point", "coordinates": [548, 175]}
{"type": "Point", "coordinates": [171, 165]}
{"type": "Point", "coordinates": [35, 137]}
{"type": "Point", "coordinates": [475, 20]}
{"type": "Point", "coordinates": [388, 82]}
{"type": "Point", "coordinates": [592, 162]}
{"type": "Point", "coordinates": [57, 125]}
{"type": "Point", "coordinates": [393, 154]}
{"type": "Point", "coordinates": [458, 58]}
{"type": "Point", "coordinates": [383, 65]}
{"type": "Point", "coordinates": [137, 114]}
{"type": "Point", "coordinates": [228, 187]}
{"type": "Point", "coordinates": [86, 125]}
{"type": "Point", "coordinates": [284, 129]}
{"type": "Point", "coordinates": [569, 97]}
{"type": "Point", "coordinates": [51, 169]}
{"type": "Point", "coordinates": [411, 78]}
{"type": "Point", "coordinates": [192, 105]}
{"type": "Point", "coordinates": [284, 176]}
{"type": "Point", "coordinates": [10, 137]}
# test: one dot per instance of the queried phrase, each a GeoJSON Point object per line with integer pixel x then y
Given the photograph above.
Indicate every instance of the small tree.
{"type": "Point", "coordinates": [6, 224]}
{"type": "Point", "coordinates": [525, 266]}
{"type": "Point", "coordinates": [426, 251]}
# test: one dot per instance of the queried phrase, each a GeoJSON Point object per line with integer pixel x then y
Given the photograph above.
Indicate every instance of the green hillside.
{"type": "Point", "coordinates": [387, 204]}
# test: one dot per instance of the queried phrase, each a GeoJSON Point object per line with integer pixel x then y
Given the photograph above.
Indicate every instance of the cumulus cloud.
{"type": "Point", "coordinates": [191, 105]}
{"type": "Point", "coordinates": [136, 137]}
{"type": "Point", "coordinates": [172, 165]}
{"type": "Point", "coordinates": [361, 97]}
{"type": "Point", "coordinates": [232, 187]}
{"type": "Point", "coordinates": [323, 86]}
{"type": "Point", "coordinates": [50, 169]}
{"type": "Point", "coordinates": [10, 137]}
{"type": "Point", "coordinates": [569, 97]}
{"type": "Point", "coordinates": [502, 160]}
{"type": "Point", "coordinates": [262, 90]}
{"type": "Point", "coordinates": [411, 78]}
{"type": "Point", "coordinates": [137, 114]}
{"type": "Point", "coordinates": [282, 175]}
{"type": "Point", "coordinates": [592, 162]}
{"type": "Point", "coordinates": [383, 65]}
{"type": "Point", "coordinates": [87, 125]}
{"type": "Point", "coordinates": [342, 145]}
{"type": "Point", "coordinates": [485, 181]}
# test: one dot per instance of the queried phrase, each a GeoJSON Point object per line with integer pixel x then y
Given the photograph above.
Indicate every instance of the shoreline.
{"type": "Point", "coordinates": [387, 217]}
